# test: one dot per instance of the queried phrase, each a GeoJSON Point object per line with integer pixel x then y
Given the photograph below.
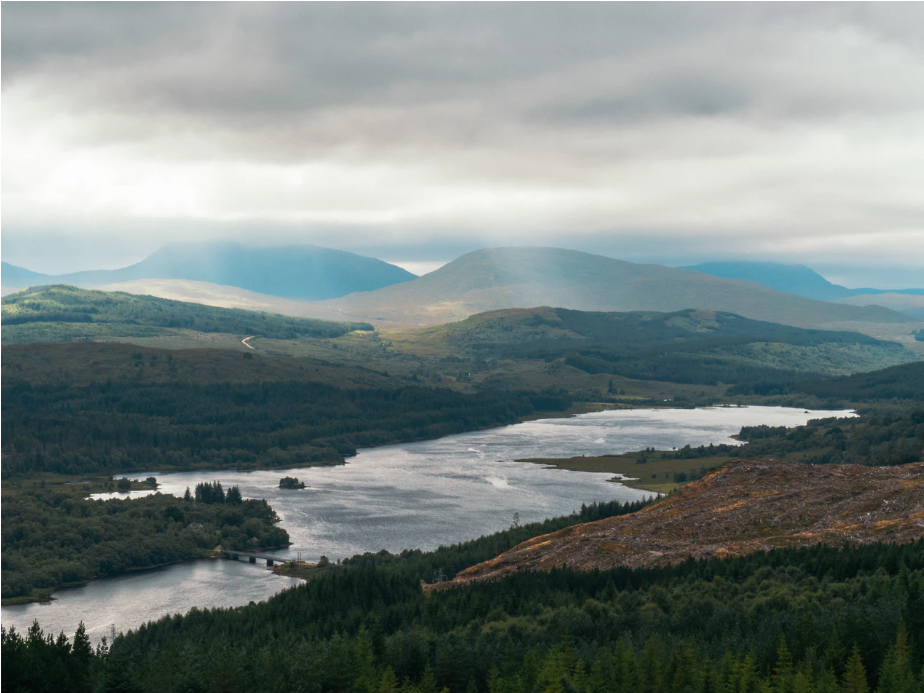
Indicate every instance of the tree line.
{"type": "Point", "coordinates": [905, 382]}
{"type": "Point", "coordinates": [127, 426]}
{"type": "Point", "coordinates": [53, 537]}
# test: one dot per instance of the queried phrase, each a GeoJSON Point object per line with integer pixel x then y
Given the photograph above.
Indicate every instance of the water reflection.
{"type": "Point", "coordinates": [415, 495]}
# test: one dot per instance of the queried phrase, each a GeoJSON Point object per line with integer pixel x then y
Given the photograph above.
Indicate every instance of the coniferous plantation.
{"type": "Point", "coordinates": [120, 426]}
{"type": "Point", "coordinates": [820, 619]}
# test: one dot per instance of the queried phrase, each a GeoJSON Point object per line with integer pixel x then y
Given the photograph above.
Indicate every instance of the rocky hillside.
{"type": "Point", "coordinates": [747, 506]}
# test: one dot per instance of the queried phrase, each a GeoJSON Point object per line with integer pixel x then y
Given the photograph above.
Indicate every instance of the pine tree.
{"type": "Point", "coordinates": [552, 673]}
{"type": "Point", "coordinates": [855, 674]}
{"type": "Point", "coordinates": [782, 672]}
{"type": "Point", "coordinates": [427, 681]}
{"type": "Point", "coordinates": [685, 670]}
{"type": "Point", "coordinates": [650, 677]}
{"type": "Point", "coordinates": [363, 660]}
{"type": "Point", "coordinates": [745, 675]}
{"type": "Point", "coordinates": [389, 682]}
{"type": "Point", "coordinates": [708, 677]}
{"type": "Point", "coordinates": [803, 681]}
{"type": "Point", "coordinates": [580, 681]}
{"type": "Point", "coordinates": [81, 659]}
{"type": "Point", "coordinates": [827, 682]}
{"type": "Point", "coordinates": [896, 675]}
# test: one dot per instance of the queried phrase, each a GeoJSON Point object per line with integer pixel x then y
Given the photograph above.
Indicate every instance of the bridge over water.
{"type": "Point", "coordinates": [253, 557]}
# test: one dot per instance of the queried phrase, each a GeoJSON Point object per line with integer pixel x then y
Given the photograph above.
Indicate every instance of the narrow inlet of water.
{"type": "Point", "coordinates": [408, 496]}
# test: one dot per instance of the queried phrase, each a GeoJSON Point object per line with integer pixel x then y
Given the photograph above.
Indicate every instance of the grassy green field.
{"type": "Point", "coordinates": [642, 470]}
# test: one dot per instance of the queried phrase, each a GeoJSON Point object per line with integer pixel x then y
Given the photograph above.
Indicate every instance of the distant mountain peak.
{"type": "Point", "coordinates": [523, 277]}
{"type": "Point", "coordinates": [303, 271]}
{"type": "Point", "coordinates": [793, 279]}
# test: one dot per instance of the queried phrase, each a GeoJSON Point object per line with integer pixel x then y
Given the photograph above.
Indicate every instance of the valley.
{"type": "Point", "coordinates": [412, 496]}
{"type": "Point", "coordinates": [451, 457]}
{"type": "Point", "coordinates": [462, 348]}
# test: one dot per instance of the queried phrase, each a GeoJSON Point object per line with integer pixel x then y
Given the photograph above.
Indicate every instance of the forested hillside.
{"type": "Point", "coordinates": [899, 382]}
{"type": "Point", "coordinates": [60, 313]}
{"type": "Point", "coordinates": [821, 619]}
{"type": "Point", "coordinates": [125, 425]}
{"type": "Point", "coordinates": [689, 346]}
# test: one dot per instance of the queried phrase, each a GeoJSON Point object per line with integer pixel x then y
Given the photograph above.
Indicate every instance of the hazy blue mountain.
{"type": "Point", "coordinates": [793, 279]}
{"type": "Point", "coordinates": [18, 277]}
{"type": "Point", "coordinates": [497, 278]}
{"type": "Point", "coordinates": [299, 271]}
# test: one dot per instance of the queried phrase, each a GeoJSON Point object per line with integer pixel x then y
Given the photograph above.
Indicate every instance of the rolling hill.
{"type": "Point", "coordinates": [688, 346]}
{"type": "Point", "coordinates": [794, 279]}
{"type": "Point", "coordinates": [304, 272]}
{"type": "Point", "coordinates": [59, 313]}
{"type": "Point", "coordinates": [496, 278]}
{"type": "Point", "coordinates": [911, 305]}
{"type": "Point", "coordinates": [210, 294]}
{"type": "Point", "coordinates": [904, 382]}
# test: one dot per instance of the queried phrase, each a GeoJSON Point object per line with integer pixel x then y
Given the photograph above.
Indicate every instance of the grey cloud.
{"type": "Point", "coordinates": [542, 96]}
{"type": "Point", "coordinates": [272, 60]}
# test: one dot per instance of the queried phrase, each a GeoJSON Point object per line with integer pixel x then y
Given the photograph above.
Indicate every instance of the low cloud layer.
{"type": "Point", "coordinates": [658, 132]}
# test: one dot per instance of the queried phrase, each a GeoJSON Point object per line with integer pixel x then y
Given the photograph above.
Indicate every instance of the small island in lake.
{"type": "Point", "coordinates": [291, 482]}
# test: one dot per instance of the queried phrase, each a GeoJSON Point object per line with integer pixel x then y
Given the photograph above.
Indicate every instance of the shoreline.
{"type": "Point", "coordinates": [47, 595]}
{"type": "Point", "coordinates": [612, 464]}
{"type": "Point", "coordinates": [572, 411]}
{"type": "Point", "coordinates": [632, 468]}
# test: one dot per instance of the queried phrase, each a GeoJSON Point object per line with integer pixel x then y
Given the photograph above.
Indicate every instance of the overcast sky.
{"type": "Point", "coordinates": [669, 133]}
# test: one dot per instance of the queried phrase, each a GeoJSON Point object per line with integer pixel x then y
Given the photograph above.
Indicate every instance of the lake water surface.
{"type": "Point", "coordinates": [413, 495]}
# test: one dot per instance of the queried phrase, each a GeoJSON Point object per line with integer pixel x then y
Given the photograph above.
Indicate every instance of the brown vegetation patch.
{"type": "Point", "coordinates": [747, 506]}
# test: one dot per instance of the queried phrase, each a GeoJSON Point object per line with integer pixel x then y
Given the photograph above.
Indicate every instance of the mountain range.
{"type": "Point", "coordinates": [496, 278]}
{"type": "Point", "coordinates": [317, 282]}
{"type": "Point", "coordinates": [806, 282]}
{"type": "Point", "coordinates": [303, 272]}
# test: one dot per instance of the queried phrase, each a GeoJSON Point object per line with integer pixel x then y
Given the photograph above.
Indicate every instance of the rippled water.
{"type": "Point", "coordinates": [413, 495]}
